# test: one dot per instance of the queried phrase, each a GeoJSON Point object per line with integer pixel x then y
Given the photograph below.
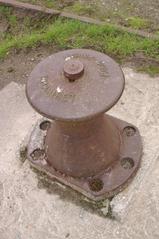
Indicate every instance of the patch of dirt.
{"type": "Point", "coordinates": [119, 11]}
{"type": "Point", "coordinates": [3, 27]}
{"type": "Point", "coordinates": [19, 64]}
{"type": "Point", "coordinates": [139, 62]}
{"type": "Point", "coordinates": [143, 8]}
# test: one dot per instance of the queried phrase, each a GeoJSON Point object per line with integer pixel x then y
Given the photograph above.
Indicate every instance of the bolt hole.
{"type": "Point", "coordinates": [129, 131]}
{"type": "Point", "coordinates": [71, 80]}
{"type": "Point", "coordinates": [96, 184]}
{"type": "Point", "coordinates": [127, 163]}
{"type": "Point", "coordinates": [45, 125]}
{"type": "Point", "coordinates": [38, 154]}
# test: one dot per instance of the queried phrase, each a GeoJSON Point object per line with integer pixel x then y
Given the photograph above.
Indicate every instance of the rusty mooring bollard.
{"type": "Point", "coordinates": [94, 153]}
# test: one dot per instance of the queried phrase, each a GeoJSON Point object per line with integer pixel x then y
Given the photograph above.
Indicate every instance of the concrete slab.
{"type": "Point", "coordinates": [31, 209]}
{"type": "Point", "coordinates": [139, 105]}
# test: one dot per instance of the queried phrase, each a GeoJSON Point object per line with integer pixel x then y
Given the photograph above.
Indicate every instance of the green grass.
{"type": "Point", "coordinates": [7, 13]}
{"type": "Point", "coordinates": [83, 9]}
{"type": "Point", "coordinates": [30, 31]}
{"type": "Point", "coordinates": [74, 34]}
{"type": "Point", "coordinates": [5, 10]}
{"type": "Point", "coordinates": [20, 24]}
{"type": "Point", "coordinates": [49, 3]}
{"type": "Point", "coordinates": [152, 70]}
{"type": "Point", "coordinates": [138, 23]}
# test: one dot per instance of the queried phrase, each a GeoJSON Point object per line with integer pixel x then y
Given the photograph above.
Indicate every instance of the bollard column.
{"type": "Point", "coordinates": [81, 146]}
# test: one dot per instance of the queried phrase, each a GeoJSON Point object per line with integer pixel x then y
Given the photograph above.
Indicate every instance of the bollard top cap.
{"type": "Point", "coordinates": [73, 69]}
{"type": "Point", "coordinates": [75, 85]}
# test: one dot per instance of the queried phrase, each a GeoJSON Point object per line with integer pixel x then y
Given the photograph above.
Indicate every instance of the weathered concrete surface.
{"type": "Point", "coordinates": [139, 106]}
{"type": "Point", "coordinates": [30, 211]}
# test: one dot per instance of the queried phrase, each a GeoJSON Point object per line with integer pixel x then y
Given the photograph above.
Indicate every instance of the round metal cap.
{"type": "Point", "coordinates": [73, 69]}
{"type": "Point", "coordinates": [75, 85]}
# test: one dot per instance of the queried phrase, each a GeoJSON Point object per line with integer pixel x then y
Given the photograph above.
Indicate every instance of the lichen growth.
{"type": "Point", "coordinates": [101, 208]}
{"type": "Point", "coordinates": [23, 154]}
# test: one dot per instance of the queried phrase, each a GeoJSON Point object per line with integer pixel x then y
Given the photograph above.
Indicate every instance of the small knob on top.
{"type": "Point", "coordinates": [73, 69]}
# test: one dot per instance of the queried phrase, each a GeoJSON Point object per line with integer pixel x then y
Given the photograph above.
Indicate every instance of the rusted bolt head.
{"type": "Point", "coordinates": [73, 69]}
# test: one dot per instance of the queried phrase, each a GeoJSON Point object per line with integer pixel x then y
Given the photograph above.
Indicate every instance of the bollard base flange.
{"type": "Point", "coordinates": [107, 183]}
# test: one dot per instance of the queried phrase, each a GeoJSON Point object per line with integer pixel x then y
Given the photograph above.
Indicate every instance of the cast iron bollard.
{"type": "Point", "coordinates": [94, 153]}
